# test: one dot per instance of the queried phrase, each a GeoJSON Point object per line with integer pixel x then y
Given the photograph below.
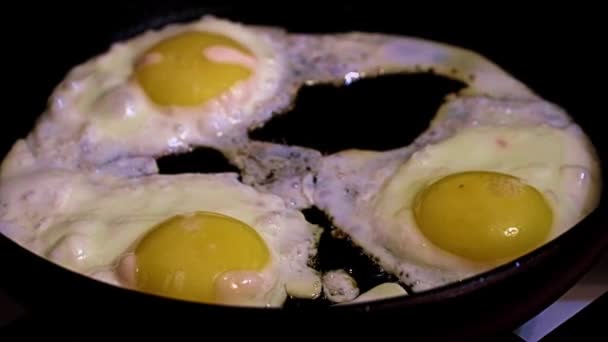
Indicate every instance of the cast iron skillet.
{"type": "Point", "coordinates": [493, 302]}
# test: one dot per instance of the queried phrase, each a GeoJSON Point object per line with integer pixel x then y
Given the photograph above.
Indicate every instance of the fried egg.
{"type": "Point", "coordinates": [163, 91]}
{"type": "Point", "coordinates": [205, 238]}
{"type": "Point", "coordinates": [463, 200]}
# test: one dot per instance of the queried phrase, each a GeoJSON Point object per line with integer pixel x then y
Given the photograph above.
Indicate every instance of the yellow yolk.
{"type": "Point", "coordinates": [483, 216]}
{"type": "Point", "coordinates": [184, 256]}
{"type": "Point", "coordinates": [178, 71]}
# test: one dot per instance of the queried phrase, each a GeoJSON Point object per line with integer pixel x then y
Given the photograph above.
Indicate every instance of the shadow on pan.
{"type": "Point", "coordinates": [482, 306]}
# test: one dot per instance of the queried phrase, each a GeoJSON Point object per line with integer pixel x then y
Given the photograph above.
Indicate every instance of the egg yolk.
{"type": "Point", "coordinates": [484, 216]}
{"type": "Point", "coordinates": [180, 70]}
{"type": "Point", "coordinates": [183, 256]}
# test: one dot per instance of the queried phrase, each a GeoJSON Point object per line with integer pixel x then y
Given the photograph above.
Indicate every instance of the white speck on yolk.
{"type": "Point", "coordinates": [236, 286]}
{"type": "Point", "coordinates": [151, 58]}
{"type": "Point", "coordinates": [126, 270]}
{"type": "Point", "coordinates": [224, 54]}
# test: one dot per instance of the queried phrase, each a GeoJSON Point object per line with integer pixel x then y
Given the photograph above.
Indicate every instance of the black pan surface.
{"type": "Point", "coordinates": [544, 54]}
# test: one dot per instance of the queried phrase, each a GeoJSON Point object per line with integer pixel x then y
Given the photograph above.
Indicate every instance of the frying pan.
{"type": "Point", "coordinates": [542, 53]}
